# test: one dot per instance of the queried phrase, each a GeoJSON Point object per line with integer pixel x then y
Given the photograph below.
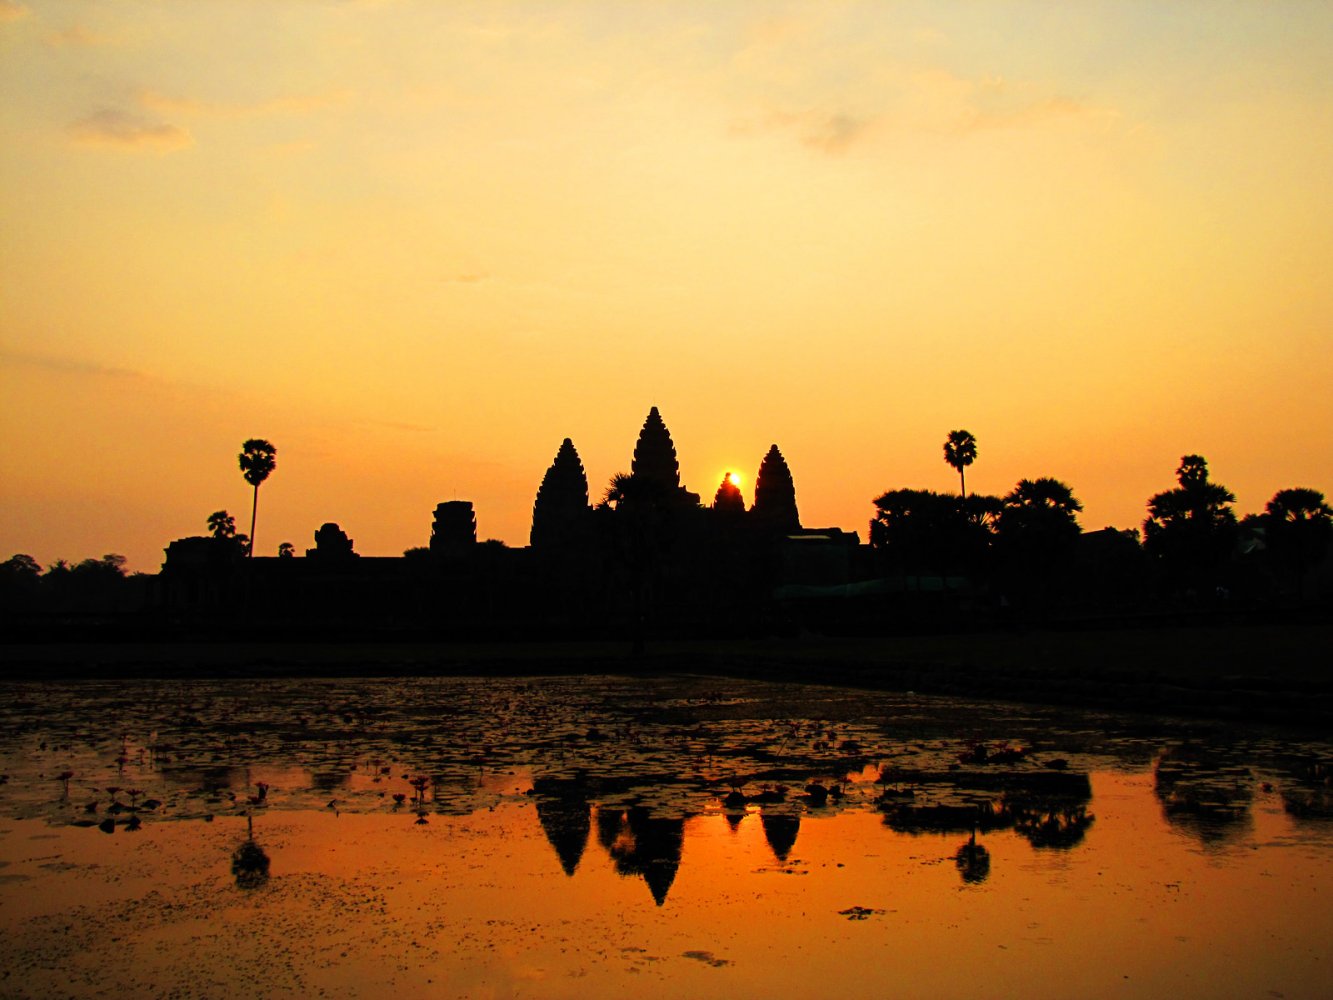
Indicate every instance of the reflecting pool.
{"type": "Point", "coordinates": [670, 836]}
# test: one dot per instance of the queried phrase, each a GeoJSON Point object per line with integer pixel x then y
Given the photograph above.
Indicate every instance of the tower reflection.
{"type": "Point", "coordinates": [644, 845]}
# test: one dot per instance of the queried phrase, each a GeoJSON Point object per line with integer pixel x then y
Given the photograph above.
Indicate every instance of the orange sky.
{"type": "Point", "coordinates": [417, 244]}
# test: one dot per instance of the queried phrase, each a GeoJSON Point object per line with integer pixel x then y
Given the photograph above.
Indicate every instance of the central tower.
{"type": "Point", "coordinates": [655, 455]}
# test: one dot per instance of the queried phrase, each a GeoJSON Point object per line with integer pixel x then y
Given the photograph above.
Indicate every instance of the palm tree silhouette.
{"type": "Point", "coordinates": [960, 451]}
{"type": "Point", "coordinates": [1046, 495]}
{"type": "Point", "coordinates": [1298, 529]}
{"type": "Point", "coordinates": [1191, 528]}
{"type": "Point", "coordinates": [221, 524]}
{"type": "Point", "coordinates": [258, 458]}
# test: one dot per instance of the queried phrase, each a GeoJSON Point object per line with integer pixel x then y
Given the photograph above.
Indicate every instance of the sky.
{"type": "Point", "coordinates": [416, 244]}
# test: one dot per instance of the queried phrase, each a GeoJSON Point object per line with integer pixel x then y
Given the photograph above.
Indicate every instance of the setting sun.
{"type": "Point", "coordinates": [734, 478]}
{"type": "Point", "coordinates": [395, 266]}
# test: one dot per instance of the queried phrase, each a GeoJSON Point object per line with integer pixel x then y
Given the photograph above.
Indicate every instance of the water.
{"type": "Point", "coordinates": [572, 837]}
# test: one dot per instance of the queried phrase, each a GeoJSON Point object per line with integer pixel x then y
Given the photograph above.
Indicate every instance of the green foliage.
{"type": "Point", "coordinates": [19, 579]}
{"type": "Point", "coordinates": [1297, 527]}
{"type": "Point", "coordinates": [1039, 514]}
{"type": "Point", "coordinates": [258, 459]}
{"type": "Point", "coordinates": [960, 451]}
{"type": "Point", "coordinates": [1191, 529]}
{"type": "Point", "coordinates": [921, 531]}
{"type": "Point", "coordinates": [221, 525]}
{"type": "Point", "coordinates": [20, 567]}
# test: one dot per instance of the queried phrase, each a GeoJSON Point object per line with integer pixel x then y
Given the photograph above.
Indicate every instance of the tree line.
{"type": "Point", "coordinates": [1026, 546]}
{"type": "Point", "coordinates": [1026, 543]}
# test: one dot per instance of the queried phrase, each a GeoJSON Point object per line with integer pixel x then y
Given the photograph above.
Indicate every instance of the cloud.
{"type": "Point", "coordinates": [76, 36]}
{"type": "Point", "coordinates": [1038, 113]}
{"type": "Point", "coordinates": [123, 130]}
{"type": "Point", "coordinates": [290, 104]}
{"type": "Point", "coordinates": [832, 133]}
{"type": "Point", "coordinates": [65, 366]}
{"type": "Point", "coordinates": [11, 11]}
{"type": "Point", "coordinates": [932, 101]}
{"type": "Point", "coordinates": [940, 101]}
{"type": "Point", "coordinates": [823, 131]}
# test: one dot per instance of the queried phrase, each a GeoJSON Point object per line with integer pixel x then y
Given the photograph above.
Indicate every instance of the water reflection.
{"type": "Point", "coordinates": [249, 862]}
{"type": "Point", "coordinates": [1204, 791]}
{"type": "Point", "coordinates": [566, 818]}
{"type": "Point", "coordinates": [780, 830]}
{"type": "Point", "coordinates": [643, 845]}
{"type": "Point", "coordinates": [973, 861]}
{"type": "Point", "coordinates": [629, 760]}
{"type": "Point", "coordinates": [1308, 794]}
{"type": "Point", "coordinates": [1047, 808]}
{"type": "Point", "coordinates": [496, 838]}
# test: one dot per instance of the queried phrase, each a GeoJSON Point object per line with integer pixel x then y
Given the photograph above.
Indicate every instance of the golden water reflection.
{"type": "Point", "coordinates": [666, 836]}
{"type": "Point", "coordinates": [548, 897]}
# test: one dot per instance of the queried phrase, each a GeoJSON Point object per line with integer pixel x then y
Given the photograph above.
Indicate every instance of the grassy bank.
{"type": "Point", "coordinates": [1268, 673]}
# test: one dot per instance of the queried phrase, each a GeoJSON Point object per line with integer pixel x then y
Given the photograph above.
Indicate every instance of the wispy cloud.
{"type": "Point", "coordinates": [11, 11]}
{"type": "Point", "coordinates": [942, 101]}
{"type": "Point", "coordinates": [1037, 113]}
{"type": "Point", "coordinates": [830, 132]}
{"type": "Point", "coordinates": [65, 366]}
{"type": "Point", "coordinates": [928, 101]}
{"type": "Point", "coordinates": [123, 130]}
{"type": "Point", "coordinates": [467, 278]}
{"type": "Point", "coordinates": [288, 104]}
{"type": "Point", "coordinates": [76, 36]}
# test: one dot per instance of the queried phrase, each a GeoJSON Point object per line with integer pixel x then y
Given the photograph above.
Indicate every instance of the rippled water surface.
{"type": "Point", "coordinates": [673, 836]}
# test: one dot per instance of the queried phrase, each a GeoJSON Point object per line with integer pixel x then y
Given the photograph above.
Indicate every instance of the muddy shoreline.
{"type": "Point", "coordinates": [1260, 673]}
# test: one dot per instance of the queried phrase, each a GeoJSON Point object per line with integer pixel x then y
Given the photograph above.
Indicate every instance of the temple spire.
{"type": "Point", "coordinates": [655, 455]}
{"type": "Point", "coordinates": [775, 494]}
{"type": "Point", "coordinates": [562, 499]}
{"type": "Point", "coordinates": [728, 498]}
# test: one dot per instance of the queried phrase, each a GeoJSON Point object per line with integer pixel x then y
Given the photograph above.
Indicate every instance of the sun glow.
{"type": "Point", "coordinates": [734, 478]}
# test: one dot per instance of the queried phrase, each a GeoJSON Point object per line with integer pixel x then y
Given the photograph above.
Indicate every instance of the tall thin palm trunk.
{"type": "Point", "coordinates": [254, 510]}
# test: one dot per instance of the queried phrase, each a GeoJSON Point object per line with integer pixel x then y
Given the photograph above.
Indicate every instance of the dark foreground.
{"type": "Point", "coordinates": [1263, 673]}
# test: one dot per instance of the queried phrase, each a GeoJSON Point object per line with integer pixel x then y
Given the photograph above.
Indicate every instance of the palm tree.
{"type": "Point", "coordinates": [1036, 530]}
{"type": "Point", "coordinates": [1298, 526]}
{"type": "Point", "coordinates": [258, 458]}
{"type": "Point", "coordinates": [221, 524]}
{"type": "Point", "coordinates": [1192, 528]}
{"type": "Point", "coordinates": [1039, 512]}
{"type": "Point", "coordinates": [1053, 498]}
{"type": "Point", "coordinates": [960, 451]}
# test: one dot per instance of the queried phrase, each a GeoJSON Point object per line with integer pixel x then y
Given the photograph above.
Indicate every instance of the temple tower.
{"type": "Point", "coordinates": [728, 499]}
{"type": "Point", "coordinates": [561, 508]}
{"type": "Point", "coordinates": [775, 495]}
{"type": "Point", "coordinates": [455, 528]}
{"type": "Point", "coordinates": [655, 455]}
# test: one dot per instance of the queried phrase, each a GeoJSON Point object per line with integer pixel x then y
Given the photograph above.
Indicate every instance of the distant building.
{"type": "Point", "coordinates": [560, 512]}
{"type": "Point", "coordinates": [331, 544]}
{"type": "Point", "coordinates": [655, 460]}
{"type": "Point", "coordinates": [774, 509]}
{"type": "Point", "coordinates": [455, 529]}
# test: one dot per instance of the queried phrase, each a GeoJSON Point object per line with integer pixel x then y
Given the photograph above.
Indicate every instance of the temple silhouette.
{"type": "Point", "coordinates": [647, 558]}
